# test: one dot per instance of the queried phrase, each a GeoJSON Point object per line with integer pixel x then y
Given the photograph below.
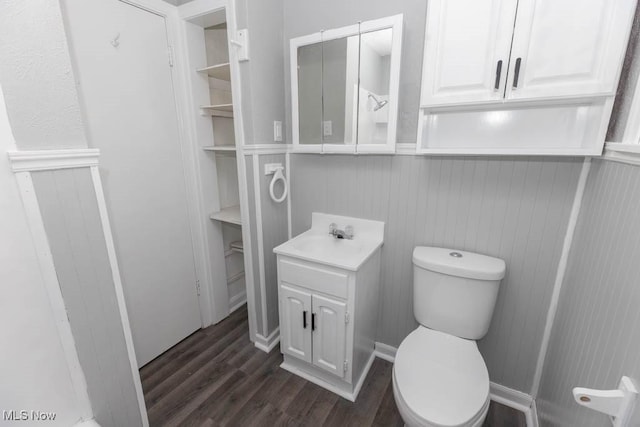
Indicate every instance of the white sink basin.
{"type": "Point", "coordinates": [327, 246]}
{"type": "Point", "coordinates": [319, 246]}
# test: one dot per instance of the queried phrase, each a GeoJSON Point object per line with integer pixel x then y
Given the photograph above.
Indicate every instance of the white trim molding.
{"type": "Point", "coordinates": [117, 283]}
{"type": "Point", "coordinates": [260, 243]}
{"type": "Point", "coordinates": [562, 267]}
{"type": "Point", "coordinates": [506, 396]}
{"type": "Point", "coordinates": [263, 149]}
{"type": "Point", "coordinates": [622, 153]}
{"type": "Point", "coordinates": [267, 344]}
{"type": "Point", "coordinates": [40, 160]}
{"type": "Point", "coordinates": [385, 352]}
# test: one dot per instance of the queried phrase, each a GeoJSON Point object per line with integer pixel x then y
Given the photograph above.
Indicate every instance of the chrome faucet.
{"type": "Point", "coordinates": [347, 233]}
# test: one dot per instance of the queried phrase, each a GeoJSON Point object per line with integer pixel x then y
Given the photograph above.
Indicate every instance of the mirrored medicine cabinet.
{"type": "Point", "coordinates": [344, 88]}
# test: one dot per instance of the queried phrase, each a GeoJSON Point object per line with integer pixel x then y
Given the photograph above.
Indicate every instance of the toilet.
{"type": "Point", "coordinates": [439, 376]}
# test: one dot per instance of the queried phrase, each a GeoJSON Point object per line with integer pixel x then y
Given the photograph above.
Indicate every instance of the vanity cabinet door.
{"type": "Point", "coordinates": [329, 334]}
{"type": "Point", "coordinates": [295, 323]}
{"type": "Point", "coordinates": [466, 53]}
{"type": "Point", "coordinates": [566, 48]}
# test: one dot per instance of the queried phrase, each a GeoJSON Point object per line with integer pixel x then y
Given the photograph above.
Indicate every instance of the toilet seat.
{"type": "Point", "coordinates": [440, 380]}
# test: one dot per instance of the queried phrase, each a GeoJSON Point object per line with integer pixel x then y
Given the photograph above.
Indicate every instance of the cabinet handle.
{"type": "Point", "coordinates": [304, 319]}
{"type": "Point", "coordinates": [498, 73]}
{"type": "Point", "coordinates": [313, 321]}
{"type": "Point", "coordinates": [516, 74]}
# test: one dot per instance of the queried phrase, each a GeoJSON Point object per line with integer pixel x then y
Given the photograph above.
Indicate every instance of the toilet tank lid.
{"type": "Point", "coordinates": [459, 263]}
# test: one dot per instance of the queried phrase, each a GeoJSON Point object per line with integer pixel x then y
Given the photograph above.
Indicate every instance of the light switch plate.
{"type": "Point", "coordinates": [327, 128]}
{"type": "Point", "coordinates": [277, 131]}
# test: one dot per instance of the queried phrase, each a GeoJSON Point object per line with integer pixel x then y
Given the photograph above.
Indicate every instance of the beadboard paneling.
{"type": "Point", "coordinates": [275, 232]}
{"type": "Point", "coordinates": [254, 244]}
{"type": "Point", "coordinates": [596, 334]}
{"type": "Point", "coordinates": [70, 212]}
{"type": "Point", "coordinates": [513, 208]}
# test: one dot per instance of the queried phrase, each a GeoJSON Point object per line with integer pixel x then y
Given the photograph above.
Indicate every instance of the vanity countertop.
{"type": "Point", "coordinates": [317, 245]}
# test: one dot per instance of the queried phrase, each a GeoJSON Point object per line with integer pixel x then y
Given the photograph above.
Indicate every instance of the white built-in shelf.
{"type": "Point", "coordinates": [220, 148]}
{"type": "Point", "coordinates": [237, 246]}
{"type": "Point", "coordinates": [230, 215]}
{"type": "Point", "coordinates": [218, 71]}
{"type": "Point", "coordinates": [220, 110]}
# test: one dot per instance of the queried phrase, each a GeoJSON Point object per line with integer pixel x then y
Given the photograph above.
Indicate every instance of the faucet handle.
{"type": "Point", "coordinates": [333, 227]}
{"type": "Point", "coordinates": [348, 230]}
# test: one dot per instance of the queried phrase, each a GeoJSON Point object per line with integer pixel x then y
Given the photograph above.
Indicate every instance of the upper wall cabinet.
{"type": "Point", "coordinates": [495, 50]}
{"type": "Point", "coordinates": [521, 76]}
{"type": "Point", "coordinates": [344, 88]}
{"type": "Point", "coordinates": [467, 50]}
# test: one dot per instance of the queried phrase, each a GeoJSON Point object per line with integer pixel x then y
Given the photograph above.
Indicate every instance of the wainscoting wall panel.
{"type": "Point", "coordinates": [274, 231]}
{"type": "Point", "coordinates": [254, 244]}
{"type": "Point", "coordinates": [69, 209]}
{"type": "Point", "coordinates": [596, 335]}
{"type": "Point", "coordinates": [513, 208]}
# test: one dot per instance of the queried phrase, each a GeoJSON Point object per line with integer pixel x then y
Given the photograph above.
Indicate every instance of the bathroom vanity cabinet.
{"type": "Point", "coordinates": [328, 318]}
{"type": "Point", "coordinates": [328, 299]}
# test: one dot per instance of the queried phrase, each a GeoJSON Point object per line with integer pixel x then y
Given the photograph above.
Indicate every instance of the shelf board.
{"type": "Point", "coordinates": [237, 246]}
{"type": "Point", "coordinates": [220, 110]}
{"type": "Point", "coordinates": [230, 215]}
{"type": "Point", "coordinates": [220, 148]}
{"type": "Point", "coordinates": [218, 71]}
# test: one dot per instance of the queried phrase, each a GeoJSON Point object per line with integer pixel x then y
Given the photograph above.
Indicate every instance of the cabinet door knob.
{"type": "Point", "coordinates": [313, 321]}
{"type": "Point", "coordinates": [498, 73]}
{"type": "Point", "coordinates": [516, 73]}
{"type": "Point", "coordinates": [304, 319]}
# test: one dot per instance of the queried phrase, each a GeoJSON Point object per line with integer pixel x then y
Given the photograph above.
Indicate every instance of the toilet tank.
{"type": "Point", "coordinates": [455, 291]}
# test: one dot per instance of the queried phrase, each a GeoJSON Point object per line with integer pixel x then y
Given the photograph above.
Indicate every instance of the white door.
{"type": "Point", "coordinates": [295, 323]}
{"type": "Point", "coordinates": [126, 88]}
{"type": "Point", "coordinates": [568, 48]}
{"type": "Point", "coordinates": [466, 54]}
{"type": "Point", "coordinates": [329, 326]}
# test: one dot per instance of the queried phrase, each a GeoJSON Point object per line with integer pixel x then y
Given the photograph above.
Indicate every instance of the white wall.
{"type": "Point", "coordinates": [262, 77]}
{"type": "Point", "coordinates": [39, 86]}
{"type": "Point", "coordinates": [33, 369]}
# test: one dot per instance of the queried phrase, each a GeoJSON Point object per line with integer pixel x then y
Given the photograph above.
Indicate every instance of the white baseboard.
{"type": "Point", "coordinates": [498, 393]}
{"type": "Point", "coordinates": [385, 352]}
{"type": "Point", "coordinates": [237, 301]}
{"type": "Point", "coordinates": [267, 344]}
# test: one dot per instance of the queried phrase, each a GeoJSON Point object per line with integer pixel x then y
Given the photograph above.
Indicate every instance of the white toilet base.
{"type": "Point", "coordinates": [411, 420]}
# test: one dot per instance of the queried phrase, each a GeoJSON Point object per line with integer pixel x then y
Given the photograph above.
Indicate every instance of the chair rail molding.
{"type": "Point", "coordinates": [622, 153]}
{"type": "Point", "coordinates": [41, 160]}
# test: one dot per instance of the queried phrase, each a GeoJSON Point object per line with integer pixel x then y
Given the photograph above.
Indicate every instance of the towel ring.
{"type": "Point", "coordinates": [278, 176]}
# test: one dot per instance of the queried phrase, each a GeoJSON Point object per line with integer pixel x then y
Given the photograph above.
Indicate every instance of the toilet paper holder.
{"type": "Point", "coordinates": [618, 403]}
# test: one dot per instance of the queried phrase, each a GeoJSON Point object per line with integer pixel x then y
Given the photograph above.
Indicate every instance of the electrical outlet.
{"type": "Point", "coordinates": [327, 128]}
{"type": "Point", "coordinates": [277, 131]}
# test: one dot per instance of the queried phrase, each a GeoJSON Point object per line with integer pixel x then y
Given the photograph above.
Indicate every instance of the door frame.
{"type": "Point", "coordinates": [175, 18]}
{"type": "Point", "coordinates": [169, 14]}
{"type": "Point", "coordinates": [187, 112]}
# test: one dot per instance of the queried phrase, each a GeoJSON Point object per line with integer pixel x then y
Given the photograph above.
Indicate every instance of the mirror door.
{"type": "Point", "coordinates": [345, 88]}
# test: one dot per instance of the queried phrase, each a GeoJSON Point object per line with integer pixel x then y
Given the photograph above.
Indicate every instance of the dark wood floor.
{"type": "Point", "coordinates": [217, 377]}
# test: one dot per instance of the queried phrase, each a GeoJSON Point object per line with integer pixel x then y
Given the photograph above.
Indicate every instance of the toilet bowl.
{"type": "Point", "coordinates": [440, 380]}
{"type": "Point", "coordinates": [439, 376]}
